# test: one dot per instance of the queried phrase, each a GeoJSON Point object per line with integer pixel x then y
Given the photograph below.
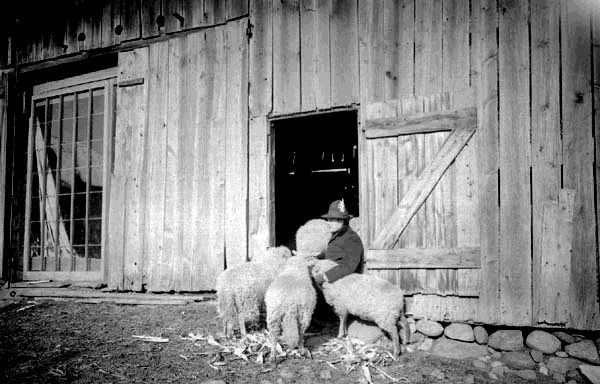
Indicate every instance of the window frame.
{"type": "Point", "coordinates": [105, 79]}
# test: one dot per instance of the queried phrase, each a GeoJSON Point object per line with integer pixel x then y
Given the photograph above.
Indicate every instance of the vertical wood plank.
{"type": "Point", "coordinates": [260, 104]}
{"type": "Point", "coordinates": [236, 176]}
{"type": "Point", "coordinates": [515, 161]}
{"type": "Point", "coordinates": [400, 67]}
{"type": "Point", "coordinates": [555, 263]}
{"type": "Point", "coordinates": [372, 58]}
{"type": "Point", "coordinates": [193, 13]}
{"type": "Point", "coordinates": [173, 13]}
{"type": "Point", "coordinates": [156, 172]}
{"type": "Point", "coordinates": [484, 54]}
{"type": "Point", "coordinates": [214, 12]}
{"type": "Point", "coordinates": [578, 154]}
{"type": "Point", "coordinates": [151, 9]}
{"type": "Point", "coordinates": [107, 27]}
{"type": "Point", "coordinates": [204, 267]}
{"type": "Point", "coordinates": [428, 47]}
{"type": "Point", "coordinates": [130, 20]}
{"type": "Point", "coordinates": [344, 52]}
{"type": "Point", "coordinates": [173, 214]}
{"type": "Point", "coordinates": [596, 87]}
{"type": "Point", "coordinates": [286, 56]}
{"type": "Point", "coordinates": [236, 8]}
{"type": "Point", "coordinates": [216, 57]}
{"type": "Point", "coordinates": [314, 47]}
{"type": "Point", "coordinates": [3, 164]}
{"type": "Point", "coordinates": [136, 124]}
{"type": "Point", "coordinates": [545, 128]}
{"type": "Point", "coordinates": [455, 51]}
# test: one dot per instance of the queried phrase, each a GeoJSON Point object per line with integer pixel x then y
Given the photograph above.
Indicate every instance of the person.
{"type": "Point", "coordinates": [345, 246]}
{"type": "Point", "coordinates": [346, 249]}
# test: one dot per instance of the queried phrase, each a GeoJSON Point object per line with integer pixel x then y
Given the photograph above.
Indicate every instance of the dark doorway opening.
{"type": "Point", "coordinates": [316, 162]}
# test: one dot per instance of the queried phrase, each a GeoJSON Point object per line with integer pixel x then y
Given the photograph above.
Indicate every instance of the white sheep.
{"type": "Point", "coordinates": [241, 289]}
{"type": "Point", "coordinates": [367, 297]}
{"type": "Point", "coordinates": [290, 301]}
{"type": "Point", "coordinates": [313, 237]}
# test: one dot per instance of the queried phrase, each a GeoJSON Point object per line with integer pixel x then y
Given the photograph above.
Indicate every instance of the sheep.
{"type": "Point", "coordinates": [290, 301]}
{"type": "Point", "coordinates": [367, 297]}
{"type": "Point", "coordinates": [241, 289]}
{"type": "Point", "coordinates": [313, 237]}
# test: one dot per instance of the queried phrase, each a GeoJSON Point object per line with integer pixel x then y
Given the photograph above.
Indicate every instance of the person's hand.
{"type": "Point", "coordinates": [320, 278]}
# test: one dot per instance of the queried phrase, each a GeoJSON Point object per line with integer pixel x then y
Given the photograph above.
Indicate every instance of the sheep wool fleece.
{"type": "Point", "coordinates": [241, 289]}
{"type": "Point", "coordinates": [290, 301]}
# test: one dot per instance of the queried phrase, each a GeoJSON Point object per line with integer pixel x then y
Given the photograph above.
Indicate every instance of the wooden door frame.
{"type": "Point", "coordinates": [271, 150]}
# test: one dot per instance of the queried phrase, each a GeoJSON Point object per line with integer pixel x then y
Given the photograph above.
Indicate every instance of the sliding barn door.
{"type": "Point", "coordinates": [422, 226]}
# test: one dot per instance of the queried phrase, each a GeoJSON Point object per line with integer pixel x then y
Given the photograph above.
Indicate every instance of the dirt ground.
{"type": "Point", "coordinates": [62, 341]}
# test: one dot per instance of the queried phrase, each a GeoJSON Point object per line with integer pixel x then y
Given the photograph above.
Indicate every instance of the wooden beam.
{"type": "Point", "coordinates": [401, 258]}
{"type": "Point", "coordinates": [419, 123]}
{"type": "Point", "coordinates": [421, 189]}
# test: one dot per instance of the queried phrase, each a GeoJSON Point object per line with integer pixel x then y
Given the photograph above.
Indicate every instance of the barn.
{"type": "Point", "coordinates": [151, 144]}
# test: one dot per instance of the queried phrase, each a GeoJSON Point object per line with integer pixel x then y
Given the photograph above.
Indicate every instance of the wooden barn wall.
{"type": "Point", "coordinates": [523, 188]}
{"type": "Point", "coordinates": [87, 25]}
{"type": "Point", "coordinates": [180, 155]}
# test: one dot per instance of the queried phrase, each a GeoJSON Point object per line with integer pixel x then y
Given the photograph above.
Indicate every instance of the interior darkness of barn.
{"type": "Point", "coordinates": [315, 164]}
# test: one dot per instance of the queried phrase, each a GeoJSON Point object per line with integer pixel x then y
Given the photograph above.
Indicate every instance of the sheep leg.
{"type": "Point", "coordinates": [405, 330]}
{"type": "Point", "coordinates": [393, 331]}
{"type": "Point", "coordinates": [343, 329]}
{"type": "Point", "coordinates": [242, 324]}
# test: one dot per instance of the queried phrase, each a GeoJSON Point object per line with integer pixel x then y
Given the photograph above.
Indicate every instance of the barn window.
{"type": "Point", "coordinates": [70, 136]}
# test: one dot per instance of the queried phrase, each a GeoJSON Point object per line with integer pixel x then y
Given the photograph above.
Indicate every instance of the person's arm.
{"type": "Point", "coordinates": [347, 255]}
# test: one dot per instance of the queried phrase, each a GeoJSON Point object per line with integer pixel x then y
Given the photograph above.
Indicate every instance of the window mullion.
{"type": "Point", "coordinates": [89, 181]}
{"type": "Point", "coordinates": [73, 164]}
{"type": "Point", "coordinates": [43, 182]}
{"type": "Point", "coordinates": [57, 186]}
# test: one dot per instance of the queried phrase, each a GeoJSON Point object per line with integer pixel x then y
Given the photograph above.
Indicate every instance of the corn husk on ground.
{"type": "Point", "coordinates": [345, 355]}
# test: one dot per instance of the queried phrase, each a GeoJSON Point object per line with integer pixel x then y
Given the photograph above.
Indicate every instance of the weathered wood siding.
{"type": "Point", "coordinates": [86, 25]}
{"type": "Point", "coordinates": [181, 153]}
{"type": "Point", "coordinates": [507, 193]}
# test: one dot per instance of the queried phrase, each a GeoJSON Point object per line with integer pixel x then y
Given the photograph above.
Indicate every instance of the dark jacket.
{"type": "Point", "coordinates": [346, 249]}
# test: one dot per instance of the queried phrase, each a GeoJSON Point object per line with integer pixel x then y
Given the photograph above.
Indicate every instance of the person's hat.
{"type": "Point", "coordinates": [337, 210]}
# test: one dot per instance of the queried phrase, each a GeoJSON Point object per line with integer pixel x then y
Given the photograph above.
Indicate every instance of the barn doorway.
{"type": "Point", "coordinates": [316, 162]}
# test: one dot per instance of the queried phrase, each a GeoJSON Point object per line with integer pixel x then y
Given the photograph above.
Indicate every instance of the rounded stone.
{"type": "Point", "coordinates": [585, 350]}
{"type": "Point", "coordinates": [325, 374]}
{"type": "Point", "coordinates": [564, 337]}
{"type": "Point", "coordinates": [430, 328]}
{"type": "Point", "coordinates": [561, 354]}
{"type": "Point", "coordinates": [537, 356]}
{"type": "Point", "coordinates": [559, 378]}
{"type": "Point", "coordinates": [426, 345]}
{"type": "Point", "coordinates": [518, 360]}
{"type": "Point", "coordinates": [367, 332]}
{"type": "Point", "coordinates": [506, 340]}
{"type": "Point", "coordinates": [458, 349]}
{"type": "Point", "coordinates": [543, 341]}
{"type": "Point", "coordinates": [561, 365]}
{"type": "Point", "coordinates": [459, 331]}
{"type": "Point", "coordinates": [526, 374]}
{"type": "Point", "coordinates": [480, 365]}
{"type": "Point", "coordinates": [481, 335]}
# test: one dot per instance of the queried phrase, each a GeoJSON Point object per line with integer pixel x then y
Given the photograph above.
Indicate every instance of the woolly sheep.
{"type": "Point", "coordinates": [313, 237]}
{"type": "Point", "coordinates": [367, 297]}
{"type": "Point", "coordinates": [290, 301]}
{"type": "Point", "coordinates": [241, 289]}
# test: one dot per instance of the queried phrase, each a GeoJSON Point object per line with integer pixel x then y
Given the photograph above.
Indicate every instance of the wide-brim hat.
{"type": "Point", "coordinates": [337, 210]}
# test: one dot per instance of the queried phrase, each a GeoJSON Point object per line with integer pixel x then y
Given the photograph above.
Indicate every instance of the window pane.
{"type": "Point", "coordinates": [97, 127]}
{"type": "Point", "coordinates": [80, 261]}
{"type": "Point", "coordinates": [96, 205]}
{"type": "Point", "coordinates": [66, 161]}
{"type": "Point", "coordinates": [81, 158]}
{"type": "Point", "coordinates": [67, 131]}
{"type": "Point", "coordinates": [79, 206]}
{"type": "Point", "coordinates": [97, 153]}
{"type": "Point", "coordinates": [94, 254]}
{"type": "Point", "coordinates": [82, 103]}
{"type": "Point", "coordinates": [98, 101]}
{"type": "Point", "coordinates": [81, 177]}
{"type": "Point", "coordinates": [79, 232]}
{"type": "Point", "coordinates": [95, 232]}
{"type": "Point", "coordinates": [82, 129]}
{"type": "Point", "coordinates": [68, 107]}
{"type": "Point", "coordinates": [65, 259]}
{"type": "Point", "coordinates": [40, 111]}
{"type": "Point", "coordinates": [54, 109]}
